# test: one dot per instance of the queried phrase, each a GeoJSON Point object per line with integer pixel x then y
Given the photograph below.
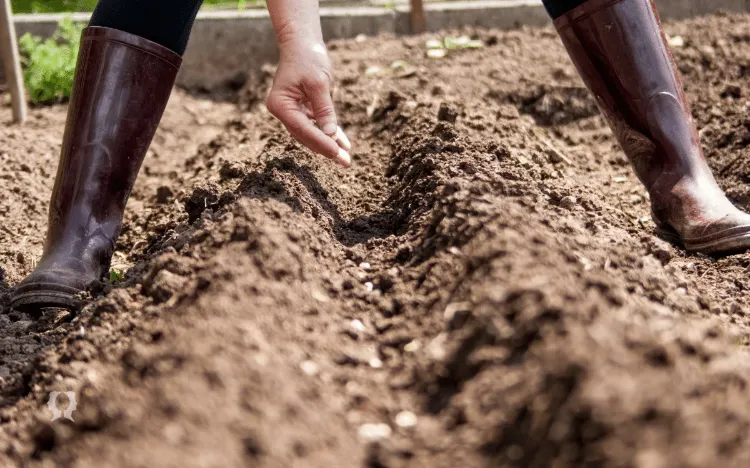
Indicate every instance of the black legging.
{"type": "Point", "coordinates": [166, 22]}
{"type": "Point", "coordinates": [557, 8]}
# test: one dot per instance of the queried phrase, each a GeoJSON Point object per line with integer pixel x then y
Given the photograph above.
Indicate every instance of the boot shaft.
{"type": "Point", "coordinates": [621, 53]}
{"type": "Point", "coordinates": [121, 89]}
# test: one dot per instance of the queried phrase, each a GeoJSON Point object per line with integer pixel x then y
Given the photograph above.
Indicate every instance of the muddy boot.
{"type": "Point", "coordinates": [121, 88]}
{"type": "Point", "coordinates": [621, 53]}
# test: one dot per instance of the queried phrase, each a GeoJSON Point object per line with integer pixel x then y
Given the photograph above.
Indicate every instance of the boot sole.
{"type": "Point", "coordinates": [45, 295]}
{"type": "Point", "coordinates": [717, 244]}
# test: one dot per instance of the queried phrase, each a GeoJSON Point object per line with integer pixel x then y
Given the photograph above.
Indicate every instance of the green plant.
{"type": "Point", "coordinates": [461, 42]}
{"type": "Point", "coordinates": [116, 275]}
{"type": "Point", "coordinates": [50, 64]}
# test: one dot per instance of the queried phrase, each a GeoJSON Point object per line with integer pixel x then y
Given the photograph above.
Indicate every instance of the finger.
{"type": "Point", "coordinates": [342, 139]}
{"type": "Point", "coordinates": [308, 111]}
{"type": "Point", "coordinates": [322, 106]}
{"type": "Point", "coordinates": [303, 130]}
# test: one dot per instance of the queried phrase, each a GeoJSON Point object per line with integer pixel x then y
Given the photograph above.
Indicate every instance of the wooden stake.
{"type": "Point", "coordinates": [12, 62]}
{"type": "Point", "coordinates": [416, 15]}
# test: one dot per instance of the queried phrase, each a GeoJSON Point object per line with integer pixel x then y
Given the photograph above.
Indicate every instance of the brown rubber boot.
{"type": "Point", "coordinates": [621, 53]}
{"type": "Point", "coordinates": [122, 86]}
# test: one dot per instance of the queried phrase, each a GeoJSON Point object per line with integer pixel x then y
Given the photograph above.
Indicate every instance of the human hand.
{"type": "Point", "coordinates": [301, 94]}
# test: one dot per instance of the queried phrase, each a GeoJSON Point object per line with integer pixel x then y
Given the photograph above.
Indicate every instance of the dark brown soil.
{"type": "Point", "coordinates": [482, 288]}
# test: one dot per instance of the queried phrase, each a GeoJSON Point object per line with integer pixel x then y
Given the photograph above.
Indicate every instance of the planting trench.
{"type": "Point", "coordinates": [482, 288]}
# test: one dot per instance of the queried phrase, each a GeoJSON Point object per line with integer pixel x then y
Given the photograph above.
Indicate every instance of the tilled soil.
{"type": "Point", "coordinates": [482, 288]}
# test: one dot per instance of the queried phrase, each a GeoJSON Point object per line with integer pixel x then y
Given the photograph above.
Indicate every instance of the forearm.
{"type": "Point", "coordinates": [295, 20]}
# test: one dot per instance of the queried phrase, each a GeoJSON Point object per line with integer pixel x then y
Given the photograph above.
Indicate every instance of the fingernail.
{"type": "Point", "coordinates": [343, 139]}
{"type": "Point", "coordinates": [329, 128]}
{"type": "Point", "coordinates": [344, 158]}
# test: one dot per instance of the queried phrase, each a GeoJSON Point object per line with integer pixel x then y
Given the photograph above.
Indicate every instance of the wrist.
{"type": "Point", "coordinates": [291, 35]}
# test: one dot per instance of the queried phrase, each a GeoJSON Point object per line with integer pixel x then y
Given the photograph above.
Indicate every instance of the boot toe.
{"type": "Point", "coordinates": [727, 235]}
{"type": "Point", "coordinates": [49, 288]}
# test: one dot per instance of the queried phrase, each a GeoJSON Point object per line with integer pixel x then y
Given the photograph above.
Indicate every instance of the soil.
{"type": "Point", "coordinates": [482, 287]}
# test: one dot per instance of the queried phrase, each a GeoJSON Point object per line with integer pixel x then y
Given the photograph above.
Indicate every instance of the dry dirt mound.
{"type": "Point", "coordinates": [482, 288]}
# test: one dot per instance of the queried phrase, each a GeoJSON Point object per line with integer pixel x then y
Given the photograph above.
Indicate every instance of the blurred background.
{"type": "Point", "coordinates": [56, 6]}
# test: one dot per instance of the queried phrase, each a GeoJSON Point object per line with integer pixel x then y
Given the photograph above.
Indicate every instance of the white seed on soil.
{"type": "Point", "coordinates": [319, 296]}
{"type": "Point", "coordinates": [586, 263]}
{"type": "Point", "coordinates": [309, 368]}
{"type": "Point", "coordinates": [369, 286]}
{"type": "Point", "coordinates": [436, 53]}
{"type": "Point", "coordinates": [676, 41]}
{"type": "Point", "coordinates": [620, 179]}
{"type": "Point", "coordinates": [360, 38]}
{"type": "Point", "coordinates": [412, 346]}
{"type": "Point", "coordinates": [372, 71]}
{"type": "Point", "coordinates": [406, 419]}
{"type": "Point", "coordinates": [375, 363]}
{"type": "Point", "coordinates": [365, 266]}
{"type": "Point", "coordinates": [370, 432]}
{"type": "Point", "coordinates": [357, 325]}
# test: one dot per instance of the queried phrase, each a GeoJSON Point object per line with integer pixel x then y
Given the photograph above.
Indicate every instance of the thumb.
{"type": "Point", "coordinates": [323, 110]}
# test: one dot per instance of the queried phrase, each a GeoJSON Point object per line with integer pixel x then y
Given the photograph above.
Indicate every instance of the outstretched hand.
{"type": "Point", "coordinates": [301, 99]}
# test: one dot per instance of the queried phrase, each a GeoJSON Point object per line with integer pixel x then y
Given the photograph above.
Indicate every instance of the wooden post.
{"type": "Point", "coordinates": [416, 15]}
{"type": "Point", "coordinates": [12, 62]}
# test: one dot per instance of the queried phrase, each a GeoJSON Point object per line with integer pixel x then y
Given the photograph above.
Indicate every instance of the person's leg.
{"type": "Point", "coordinates": [166, 22]}
{"type": "Point", "coordinates": [127, 65]}
{"type": "Point", "coordinates": [557, 8]}
{"type": "Point", "coordinates": [622, 55]}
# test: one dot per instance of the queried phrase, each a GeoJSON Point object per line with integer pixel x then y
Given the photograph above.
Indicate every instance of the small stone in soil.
{"type": "Point", "coordinates": [370, 432]}
{"type": "Point", "coordinates": [412, 346]}
{"type": "Point", "coordinates": [568, 202]}
{"type": "Point", "coordinates": [456, 314]}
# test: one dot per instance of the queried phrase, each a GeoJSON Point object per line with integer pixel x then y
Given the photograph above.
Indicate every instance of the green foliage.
{"type": "Point", "coordinates": [50, 65]}
{"type": "Point", "coordinates": [116, 275]}
{"type": "Point", "coordinates": [52, 6]}
{"type": "Point", "coordinates": [461, 42]}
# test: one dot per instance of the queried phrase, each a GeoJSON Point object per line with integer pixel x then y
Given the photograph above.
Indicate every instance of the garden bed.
{"type": "Point", "coordinates": [481, 288]}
